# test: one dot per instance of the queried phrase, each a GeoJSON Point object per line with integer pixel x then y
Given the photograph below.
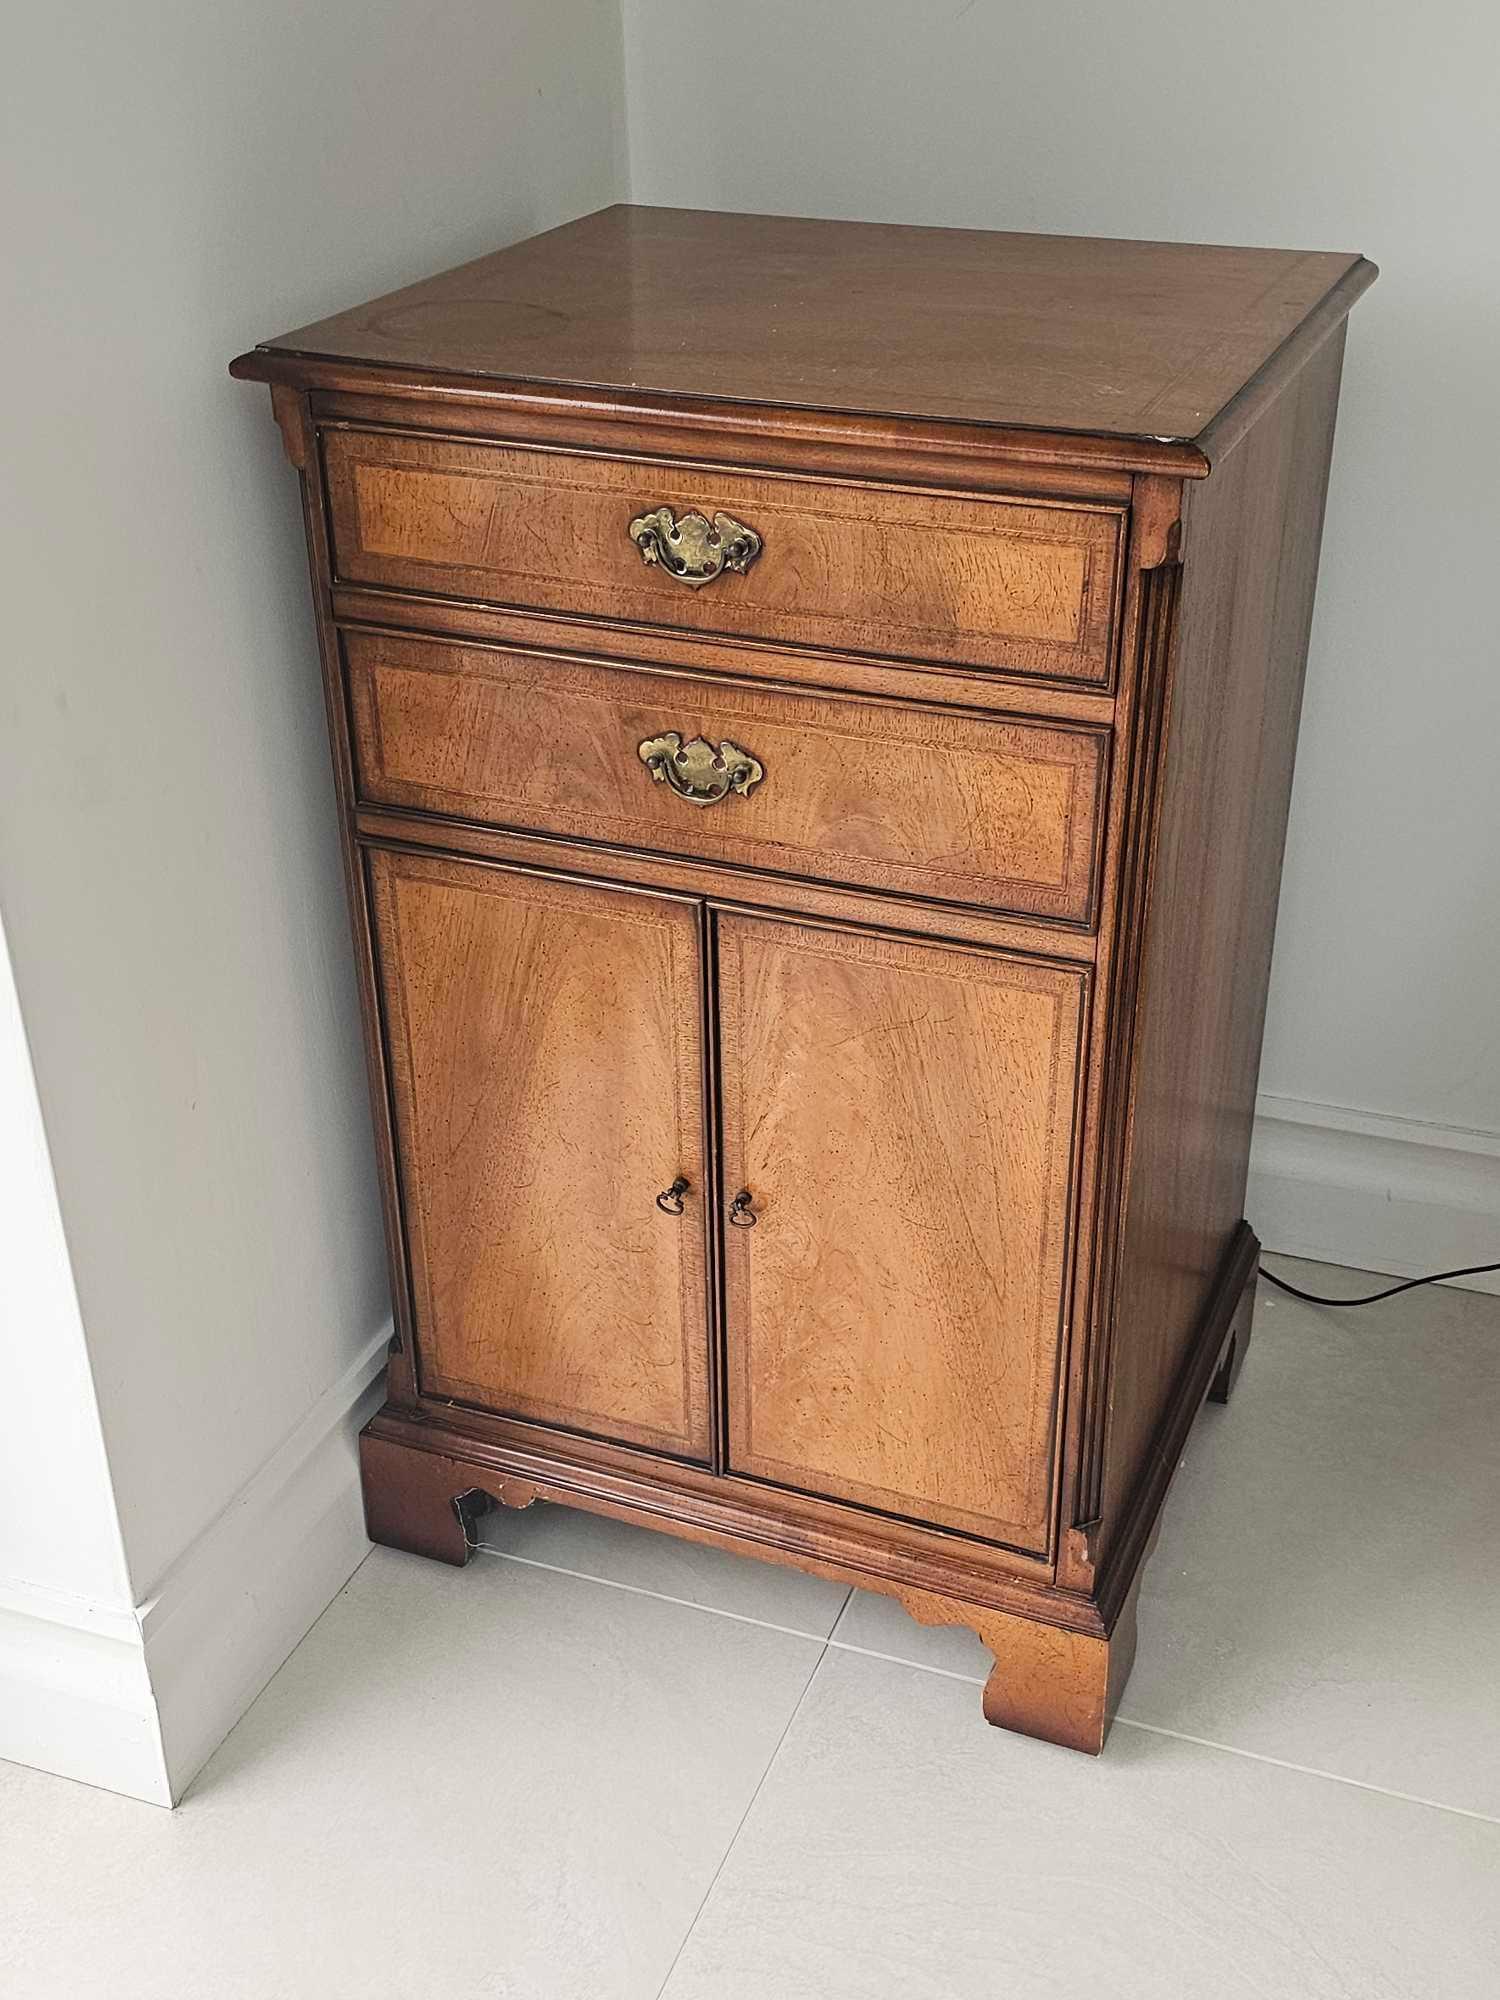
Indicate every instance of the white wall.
{"type": "Point", "coordinates": [181, 181]}
{"type": "Point", "coordinates": [75, 1696]}
{"type": "Point", "coordinates": [58, 1530]}
{"type": "Point", "coordinates": [1326, 124]}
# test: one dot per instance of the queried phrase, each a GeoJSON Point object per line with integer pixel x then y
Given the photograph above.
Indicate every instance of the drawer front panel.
{"type": "Point", "coordinates": [992, 583]}
{"type": "Point", "coordinates": [930, 803]}
{"type": "Point", "coordinates": [898, 1122]}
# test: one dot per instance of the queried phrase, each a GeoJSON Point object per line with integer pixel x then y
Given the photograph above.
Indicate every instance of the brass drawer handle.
{"type": "Point", "coordinates": [695, 550]}
{"type": "Point", "coordinates": [669, 1201]}
{"type": "Point", "coordinates": [741, 1214]}
{"type": "Point", "coordinates": [697, 771]}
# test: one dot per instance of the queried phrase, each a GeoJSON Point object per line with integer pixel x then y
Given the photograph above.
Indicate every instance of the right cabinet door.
{"type": "Point", "coordinates": [898, 1138]}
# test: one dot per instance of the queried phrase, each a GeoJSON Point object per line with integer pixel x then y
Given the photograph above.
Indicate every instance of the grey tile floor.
{"type": "Point", "coordinates": [604, 1763]}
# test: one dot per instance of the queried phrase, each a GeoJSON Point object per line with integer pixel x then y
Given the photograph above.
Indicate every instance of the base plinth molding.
{"type": "Point", "coordinates": [1049, 1682]}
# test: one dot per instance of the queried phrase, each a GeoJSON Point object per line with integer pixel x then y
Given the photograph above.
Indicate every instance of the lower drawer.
{"type": "Point", "coordinates": [939, 804]}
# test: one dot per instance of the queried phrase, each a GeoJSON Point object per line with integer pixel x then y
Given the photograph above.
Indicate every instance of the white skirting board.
{"type": "Point", "coordinates": [236, 1602]}
{"type": "Point", "coordinates": [75, 1697]}
{"type": "Point", "coordinates": [136, 1702]}
{"type": "Point", "coordinates": [1374, 1193]}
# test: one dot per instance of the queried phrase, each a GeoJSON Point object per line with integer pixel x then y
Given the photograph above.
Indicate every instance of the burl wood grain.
{"type": "Point", "coordinates": [902, 1116]}
{"type": "Point", "coordinates": [924, 802]}
{"type": "Point", "coordinates": [545, 1059]}
{"type": "Point", "coordinates": [862, 568]}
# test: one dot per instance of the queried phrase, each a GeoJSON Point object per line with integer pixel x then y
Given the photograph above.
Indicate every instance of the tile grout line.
{"type": "Point", "coordinates": [830, 1643]}
{"type": "Point", "coordinates": [661, 1596]}
{"type": "Point", "coordinates": [1309, 1771]}
{"type": "Point", "coordinates": [895, 1660]}
{"type": "Point", "coordinates": [760, 1784]}
{"type": "Point", "coordinates": [828, 1639]}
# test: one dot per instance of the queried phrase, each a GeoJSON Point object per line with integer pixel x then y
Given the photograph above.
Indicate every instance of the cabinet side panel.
{"type": "Point", "coordinates": [1251, 536]}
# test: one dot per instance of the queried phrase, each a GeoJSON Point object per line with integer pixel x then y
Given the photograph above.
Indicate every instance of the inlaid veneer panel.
{"type": "Point", "coordinates": [865, 568]}
{"type": "Point", "coordinates": [925, 802]}
{"type": "Point", "coordinates": [545, 1058]}
{"type": "Point", "coordinates": [901, 1117]}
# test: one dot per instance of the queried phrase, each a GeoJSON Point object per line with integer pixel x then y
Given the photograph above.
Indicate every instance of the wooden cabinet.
{"type": "Point", "coordinates": [813, 754]}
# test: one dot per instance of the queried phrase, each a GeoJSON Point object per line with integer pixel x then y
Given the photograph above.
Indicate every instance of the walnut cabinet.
{"type": "Point", "coordinates": [812, 711]}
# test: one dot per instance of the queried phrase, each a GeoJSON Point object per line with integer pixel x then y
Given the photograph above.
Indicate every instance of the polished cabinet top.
{"type": "Point", "coordinates": [1054, 333]}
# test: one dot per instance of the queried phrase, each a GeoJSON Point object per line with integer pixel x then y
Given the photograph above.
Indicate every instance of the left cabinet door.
{"type": "Point", "coordinates": [545, 1053]}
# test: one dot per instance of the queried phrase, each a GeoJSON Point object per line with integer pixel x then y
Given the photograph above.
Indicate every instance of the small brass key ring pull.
{"type": "Point", "coordinates": [669, 1201]}
{"type": "Point", "coordinates": [741, 1214]}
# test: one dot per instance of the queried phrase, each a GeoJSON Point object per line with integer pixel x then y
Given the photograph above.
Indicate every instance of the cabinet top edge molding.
{"type": "Point", "coordinates": [1156, 349]}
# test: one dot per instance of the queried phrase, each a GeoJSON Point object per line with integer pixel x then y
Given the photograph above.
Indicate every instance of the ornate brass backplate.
{"type": "Point", "coordinates": [697, 771]}
{"type": "Point", "coordinates": [694, 549]}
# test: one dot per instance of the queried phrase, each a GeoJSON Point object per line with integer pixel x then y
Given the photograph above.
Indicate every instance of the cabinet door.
{"type": "Point", "coordinates": [901, 1116]}
{"type": "Point", "coordinates": [546, 1062]}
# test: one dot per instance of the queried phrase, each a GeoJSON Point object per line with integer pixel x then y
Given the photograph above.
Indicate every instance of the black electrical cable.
{"type": "Point", "coordinates": [1410, 1285]}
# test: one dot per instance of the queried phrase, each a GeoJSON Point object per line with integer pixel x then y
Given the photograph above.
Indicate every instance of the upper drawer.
{"type": "Point", "coordinates": [932, 803]}
{"type": "Point", "coordinates": [866, 569]}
